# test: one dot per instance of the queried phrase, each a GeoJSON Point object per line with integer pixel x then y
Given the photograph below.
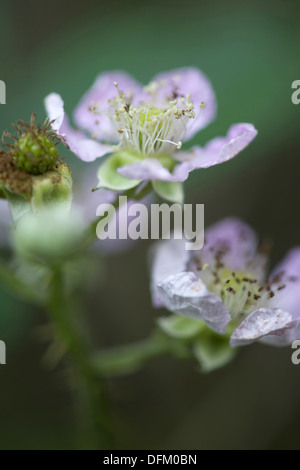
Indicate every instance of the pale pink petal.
{"type": "Point", "coordinates": [86, 149]}
{"type": "Point", "coordinates": [220, 149]}
{"type": "Point", "coordinates": [98, 95]}
{"type": "Point", "coordinates": [191, 81]}
{"type": "Point", "coordinates": [236, 242]}
{"type": "Point", "coordinates": [285, 284]}
{"type": "Point", "coordinates": [285, 281]}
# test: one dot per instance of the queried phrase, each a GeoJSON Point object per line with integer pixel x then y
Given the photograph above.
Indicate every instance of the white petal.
{"type": "Point", "coordinates": [185, 293]}
{"type": "Point", "coordinates": [55, 110]}
{"type": "Point", "coordinates": [86, 149]}
{"type": "Point", "coordinates": [260, 323]}
{"type": "Point", "coordinates": [169, 257]}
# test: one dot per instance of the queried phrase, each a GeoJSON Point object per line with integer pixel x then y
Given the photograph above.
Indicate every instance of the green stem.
{"type": "Point", "coordinates": [130, 358]}
{"type": "Point", "coordinates": [90, 386]}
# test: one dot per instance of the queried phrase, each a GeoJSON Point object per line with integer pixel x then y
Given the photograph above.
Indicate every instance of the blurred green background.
{"type": "Point", "coordinates": [250, 51]}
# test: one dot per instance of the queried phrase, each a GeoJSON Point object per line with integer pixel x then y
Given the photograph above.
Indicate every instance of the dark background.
{"type": "Point", "coordinates": [250, 51]}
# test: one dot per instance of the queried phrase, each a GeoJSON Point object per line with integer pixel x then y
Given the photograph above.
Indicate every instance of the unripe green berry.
{"type": "Point", "coordinates": [34, 153]}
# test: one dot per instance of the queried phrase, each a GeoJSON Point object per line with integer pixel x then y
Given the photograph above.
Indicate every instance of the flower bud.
{"type": "Point", "coordinates": [49, 237]}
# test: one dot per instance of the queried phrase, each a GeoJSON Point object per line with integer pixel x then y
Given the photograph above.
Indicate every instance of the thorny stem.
{"type": "Point", "coordinates": [90, 369]}
{"type": "Point", "coordinates": [89, 384]}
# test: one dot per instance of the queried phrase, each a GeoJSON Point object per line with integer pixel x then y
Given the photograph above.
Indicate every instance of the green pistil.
{"type": "Point", "coordinates": [147, 120]}
{"type": "Point", "coordinates": [148, 115]}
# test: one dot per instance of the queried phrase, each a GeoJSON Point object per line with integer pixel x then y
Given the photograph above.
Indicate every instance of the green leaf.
{"type": "Point", "coordinates": [213, 351]}
{"type": "Point", "coordinates": [181, 327]}
{"type": "Point", "coordinates": [172, 192]}
{"type": "Point", "coordinates": [110, 178]}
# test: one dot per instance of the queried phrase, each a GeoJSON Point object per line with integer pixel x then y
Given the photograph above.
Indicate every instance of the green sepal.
{"type": "Point", "coordinates": [52, 189]}
{"type": "Point", "coordinates": [179, 326]}
{"type": "Point", "coordinates": [172, 192]}
{"type": "Point", "coordinates": [108, 175]}
{"type": "Point", "coordinates": [213, 351]}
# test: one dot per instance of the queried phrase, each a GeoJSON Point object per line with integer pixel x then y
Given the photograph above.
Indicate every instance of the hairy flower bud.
{"type": "Point", "coordinates": [49, 237]}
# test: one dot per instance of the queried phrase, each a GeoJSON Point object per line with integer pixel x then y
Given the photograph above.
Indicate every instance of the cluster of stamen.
{"type": "Point", "coordinates": [242, 292]}
{"type": "Point", "coordinates": [147, 129]}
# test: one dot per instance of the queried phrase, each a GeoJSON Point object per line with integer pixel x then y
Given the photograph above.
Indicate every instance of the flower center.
{"type": "Point", "coordinates": [146, 128]}
{"type": "Point", "coordinates": [239, 290]}
{"type": "Point", "coordinates": [242, 292]}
